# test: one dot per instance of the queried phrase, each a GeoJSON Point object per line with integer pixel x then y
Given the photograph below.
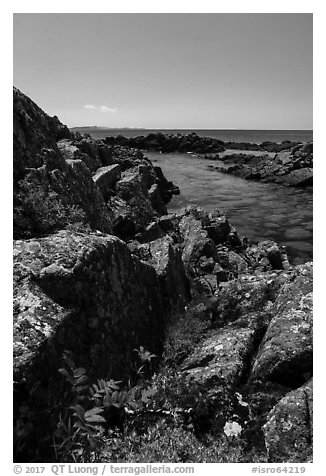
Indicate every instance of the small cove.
{"type": "Point", "coordinates": [258, 210]}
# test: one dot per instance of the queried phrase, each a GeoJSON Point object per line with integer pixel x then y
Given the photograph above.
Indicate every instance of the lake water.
{"type": "Point", "coordinates": [236, 135]}
{"type": "Point", "coordinates": [258, 210]}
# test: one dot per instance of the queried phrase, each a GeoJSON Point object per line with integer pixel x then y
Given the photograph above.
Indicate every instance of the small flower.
{"type": "Point", "coordinates": [232, 428]}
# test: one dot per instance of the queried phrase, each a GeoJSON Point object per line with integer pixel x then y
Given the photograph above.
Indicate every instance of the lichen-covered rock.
{"type": "Point", "coordinates": [293, 167]}
{"type": "Point", "coordinates": [298, 178]}
{"type": "Point", "coordinates": [221, 358]}
{"type": "Point", "coordinates": [85, 293]}
{"type": "Point", "coordinates": [285, 354]}
{"type": "Point", "coordinates": [249, 293]}
{"type": "Point", "coordinates": [71, 182]}
{"type": "Point", "coordinates": [196, 243]}
{"type": "Point", "coordinates": [133, 189]}
{"type": "Point", "coordinates": [266, 255]}
{"type": "Point", "coordinates": [70, 151]}
{"type": "Point", "coordinates": [289, 428]}
{"type": "Point", "coordinates": [33, 130]}
{"type": "Point", "coordinates": [53, 185]}
{"type": "Point", "coordinates": [169, 267]}
{"type": "Point", "coordinates": [96, 275]}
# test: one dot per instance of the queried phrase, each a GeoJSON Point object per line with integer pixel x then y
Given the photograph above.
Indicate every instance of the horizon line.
{"type": "Point", "coordinates": [184, 129]}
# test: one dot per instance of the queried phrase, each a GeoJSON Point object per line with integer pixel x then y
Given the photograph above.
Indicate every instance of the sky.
{"type": "Point", "coordinates": [196, 71]}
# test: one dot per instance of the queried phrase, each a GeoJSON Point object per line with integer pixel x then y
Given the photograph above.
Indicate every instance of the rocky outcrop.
{"type": "Point", "coordinates": [285, 353]}
{"type": "Point", "coordinates": [170, 142]}
{"type": "Point", "coordinates": [288, 163]}
{"type": "Point", "coordinates": [63, 178]}
{"type": "Point", "coordinates": [33, 131]}
{"type": "Point", "coordinates": [292, 168]}
{"type": "Point", "coordinates": [87, 294]}
{"type": "Point", "coordinates": [192, 142]}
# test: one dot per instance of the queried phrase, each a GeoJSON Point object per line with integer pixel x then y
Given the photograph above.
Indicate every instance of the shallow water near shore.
{"type": "Point", "coordinates": [259, 211]}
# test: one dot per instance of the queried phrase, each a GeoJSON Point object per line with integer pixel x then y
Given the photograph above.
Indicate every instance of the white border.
{"type": "Point", "coordinates": [167, 6]}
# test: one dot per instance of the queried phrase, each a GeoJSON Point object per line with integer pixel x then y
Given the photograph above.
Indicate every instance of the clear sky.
{"type": "Point", "coordinates": [209, 71]}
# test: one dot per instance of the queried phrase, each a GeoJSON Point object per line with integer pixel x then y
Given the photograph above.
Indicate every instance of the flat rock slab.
{"type": "Point", "coordinates": [220, 359]}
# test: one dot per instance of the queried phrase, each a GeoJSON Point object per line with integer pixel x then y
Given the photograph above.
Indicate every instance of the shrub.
{"type": "Point", "coordinates": [38, 211]}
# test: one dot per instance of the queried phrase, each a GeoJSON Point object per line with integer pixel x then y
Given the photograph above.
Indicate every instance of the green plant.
{"type": "Point", "coordinates": [96, 409]}
{"type": "Point", "coordinates": [81, 439]}
{"type": "Point", "coordinates": [38, 210]}
{"type": "Point", "coordinates": [146, 366]}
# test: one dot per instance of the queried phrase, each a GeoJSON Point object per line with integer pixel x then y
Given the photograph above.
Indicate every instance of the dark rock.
{"type": "Point", "coordinates": [33, 131]}
{"type": "Point", "coordinates": [299, 178]}
{"type": "Point", "coordinates": [155, 197]}
{"type": "Point", "coordinates": [292, 167]}
{"type": "Point", "coordinates": [289, 428]}
{"type": "Point", "coordinates": [220, 359]}
{"type": "Point", "coordinates": [170, 270]}
{"type": "Point", "coordinates": [106, 177]}
{"type": "Point", "coordinates": [85, 293]}
{"type": "Point", "coordinates": [196, 243]}
{"type": "Point", "coordinates": [70, 151]}
{"type": "Point", "coordinates": [170, 143]}
{"type": "Point", "coordinates": [203, 286]}
{"type": "Point", "coordinates": [285, 353]}
{"type": "Point", "coordinates": [218, 228]}
{"type": "Point", "coordinates": [152, 232]}
{"type": "Point", "coordinates": [266, 255]}
{"type": "Point", "coordinates": [124, 221]}
{"type": "Point", "coordinates": [57, 194]}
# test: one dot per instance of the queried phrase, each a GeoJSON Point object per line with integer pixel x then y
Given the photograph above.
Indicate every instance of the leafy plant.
{"type": "Point", "coordinates": [96, 409]}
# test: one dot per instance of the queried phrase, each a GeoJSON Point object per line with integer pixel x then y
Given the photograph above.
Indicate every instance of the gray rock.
{"type": "Point", "coordinates": [289, 428]}
{"type": "Point", "coordinates": [106, 177]}
{"type": "Point", "coordinates": [285, 353]}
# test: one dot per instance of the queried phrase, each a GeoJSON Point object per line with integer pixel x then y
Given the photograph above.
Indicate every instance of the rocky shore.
{"type": "Point", "coordinates": [287, 163]}
{"type": "Point", "coordinates": [102, 271]}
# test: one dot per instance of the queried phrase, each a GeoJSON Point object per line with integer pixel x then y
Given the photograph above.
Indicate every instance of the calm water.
{"type": "Point", "coordinates": [258, 210]}
{"type": "Point", "coordinates": [222, 134]}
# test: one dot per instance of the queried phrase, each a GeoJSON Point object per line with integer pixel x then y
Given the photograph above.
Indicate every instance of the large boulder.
{"type": "Point", "coordinates": [33, 130]}
{"type": "Point", "coordinates": [69, 151]}
{"type": "Point", "coordinates": [291, 167]}
{"type": "Point", "coordinates": [289, 428]}
{"type": "Point", "coordinates": [84, 293]}
{"type": "Point", "coordinates": [221, 358]}
{"type": "Point", "coordinates": [167, 261]}
{"type": "Point", "coordinates": [196, 244]}
{"type": "Point", "coordinates": [298, 178]}
{"type": "Point", "coordinates": [285, 353]}
{"type": "Point", "coordinates": [57, 194]}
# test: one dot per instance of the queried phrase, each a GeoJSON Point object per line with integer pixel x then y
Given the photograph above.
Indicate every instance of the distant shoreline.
{"type": "Point", "coordinates": [225, 135]}
{"type": "Point", "coordinates": [76, 128]}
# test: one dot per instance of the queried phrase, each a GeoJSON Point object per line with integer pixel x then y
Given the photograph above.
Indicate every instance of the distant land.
{"type": "Point", "coordinates": [233, 135]}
